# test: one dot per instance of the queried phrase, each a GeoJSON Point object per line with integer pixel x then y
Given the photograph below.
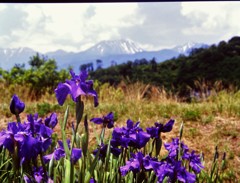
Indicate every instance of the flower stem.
{"type": "Point", "coordinates": [18, 118]}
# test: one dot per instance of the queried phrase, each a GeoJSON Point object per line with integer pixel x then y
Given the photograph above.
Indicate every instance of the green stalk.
{"type": "Point", "coordinates": [18, 118]}
{"type": "Point", "coordinates": [102, 135]}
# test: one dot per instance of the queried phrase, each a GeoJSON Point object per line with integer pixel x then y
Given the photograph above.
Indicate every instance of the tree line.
{"type": "Point", "coordinates": [217, 63]}
{"type": "Point", "coordinates": [42, 76]}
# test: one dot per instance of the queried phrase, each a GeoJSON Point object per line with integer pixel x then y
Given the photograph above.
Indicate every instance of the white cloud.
{"type": "Point", "coordinates": [75, 27]}
{"type": "Point", "coordinates": [50, 25]}
{"type": "Point", "coordinates": [212, 20]}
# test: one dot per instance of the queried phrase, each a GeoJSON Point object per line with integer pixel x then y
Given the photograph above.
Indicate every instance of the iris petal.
{"type": "Point", "coordinates": [76, 155]}
{"type": "Point", "coordinates": [61, 92]}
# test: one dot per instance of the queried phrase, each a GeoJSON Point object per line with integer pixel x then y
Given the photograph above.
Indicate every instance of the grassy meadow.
{"type": "Point", "coordinates": [210, 122]}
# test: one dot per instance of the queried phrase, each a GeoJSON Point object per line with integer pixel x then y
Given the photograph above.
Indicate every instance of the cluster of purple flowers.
{"type": "Point", "coordinates": [26, 141]}
{"type": "Point", "coordinates": [130, 136]}
{"type": "Point", "coordinates": [33, 136]}
{"type": "Point", "coordinates": [171, 168]}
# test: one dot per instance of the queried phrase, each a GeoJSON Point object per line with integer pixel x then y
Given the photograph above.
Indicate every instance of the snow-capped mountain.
{"type": "Point", "coordinates": [188, 47]}
{"type": "Point", "coordinates": [114, 47]}
{"type": "Point", "coordinates": [119, 51]}
{"type": "Point", "coordinates": [11, 56]}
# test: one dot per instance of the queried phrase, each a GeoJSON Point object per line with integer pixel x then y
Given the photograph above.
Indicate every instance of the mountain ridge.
{"type": "Point", "coordinates": [108, 51]}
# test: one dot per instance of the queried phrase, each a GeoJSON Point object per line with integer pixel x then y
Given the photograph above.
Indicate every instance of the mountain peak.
{"type": "Point", "coordinates": [115, 47]}
{"type": "Point", "coordinates": [187, 47]}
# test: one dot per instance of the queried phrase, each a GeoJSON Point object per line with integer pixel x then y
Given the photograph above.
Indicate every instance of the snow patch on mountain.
{"type": "Point", "coordinates": [114, 47]}
{"type": "Point", "coordinates": [188, 47]}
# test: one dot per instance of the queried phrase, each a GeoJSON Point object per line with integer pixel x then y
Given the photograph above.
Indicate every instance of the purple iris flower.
{"type": "Point", "coordinates": [138, 162]}
{"type": "Point", "coordinates": [179, 170]}
{"type": "Point", "coordinates": [27, 144]}
{"type": "Point", "coordinates": [105, 120]}
{"type": "Point", "coordinates": [16, 105]}
{"type": "Point", "coordinates": [150, 163]}
{"type": "Point", "coordinates": [40, 131]}
{"type": "Point", "coordinates": [92, 180]}
{"type": "Point", "coordinates": [38, 174]}
{"type": "Point", "coordinates": [7, 136]}
{"type": "Point", "coordinates": [76, 155]}
{"type": "Point", "coordinates": [164, 170]}
{"type": "Point", "coordinates": [159, 127]}
{"type": "Point", "coordinates": [131, 135]}
{"type": "Point", "coordinates": [183, 175]}
{"type": "Point", "coordinates": [103, 151]}
{"type": "Point", "coordinates": [134, 164]}
{"type": "Point", "coordinates": [173, 148]}
{"type": "Point", "coordinates": [76, 87]}
{"type": "Point", "coordinates": [60, 153]}
{"type": "Point", "coordinates": [51, 121]}
{"type": "Point", "coordinates": [31, 136]}
{"type": "Point", "coordinates": [195, 161]}
{"type": "Point", "coordinates": [17, 135]}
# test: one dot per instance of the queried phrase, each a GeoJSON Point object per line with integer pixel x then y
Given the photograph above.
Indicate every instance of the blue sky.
{"type": "Point", "coordinates": [156, 25]}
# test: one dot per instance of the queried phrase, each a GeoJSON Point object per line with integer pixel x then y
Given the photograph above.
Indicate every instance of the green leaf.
{"type": "Point", "coordinates": [67, 178]}
{"type": "Point", "coordinates": [64, 123]}
{"type": "Point", "coordinates": [85, 137]}
{"type": "Point", "coordinates": [94, 163]}
{"type": "Point", "coordinates": [87, 177]}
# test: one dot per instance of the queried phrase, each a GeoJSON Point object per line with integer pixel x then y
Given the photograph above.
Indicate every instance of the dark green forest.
{"type": "Point", "coordinates": [217, 63]}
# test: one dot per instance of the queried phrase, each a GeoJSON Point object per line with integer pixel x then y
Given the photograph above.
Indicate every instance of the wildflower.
{"type": "Point", "coordinates": [134, 164]}
{"type": "Point", "coordinates": [173, 148]}
{"type": "Point", "coordinates": [40, 131]}
{"type": "Point", "coordinates": [27, 144]}
{"type": "Point", "coordinates": [51, 121]}
{"type": "Point", "coordinates": [105, 120]}
{"type": "Point", "coordinates": [60, 153]}
{"type": "Point", "coordinates": [103, 151]}
{"type": "Point", "coordinates": [183, 175]}
{"type": "Point", "coordinates": [7, 136]}
{"type": "Point", "coordinates": [17, 135]}
{"type": "Point", "coordinates": [76, 87]}
{"type": "Point", "coordinates": [150, 163]}
{"type": "Point", "coordinates": [31, 136]}
{"type": "Point", "coordinates": [163, 171]}
{"type": "Point", "coordinates": [131, 135]}
{"type": "Point", "coordinates": [159, 127]}
{"type": "Point", "coordinates": [195, 161]}
{"type": "Point", "coordinates": [16, 105]}
{"type": "Point", "coordinates": [92, 180]}
{"type": "Point", "coordinates": [138, 162]}
{"type": "Point", "coordinates": [38, 174]}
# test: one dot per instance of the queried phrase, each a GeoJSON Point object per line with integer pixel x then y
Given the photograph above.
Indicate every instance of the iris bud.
{"type": "Point", "coordinates": [16, 105]}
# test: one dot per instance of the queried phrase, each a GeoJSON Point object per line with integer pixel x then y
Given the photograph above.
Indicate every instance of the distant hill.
{"type": "Point", "coordinates": [109, 52]}
{"type": "Point", "coordinates": [219, 62]}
